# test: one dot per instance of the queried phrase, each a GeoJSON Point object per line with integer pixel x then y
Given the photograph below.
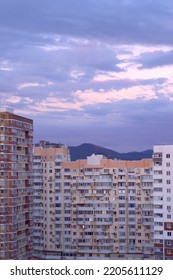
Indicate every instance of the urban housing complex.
{"type": "Point", "coordinates": [96, 208]}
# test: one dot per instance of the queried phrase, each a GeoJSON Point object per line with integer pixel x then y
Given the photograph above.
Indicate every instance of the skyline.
{"type": "Point", "coordinates": [98, 71]}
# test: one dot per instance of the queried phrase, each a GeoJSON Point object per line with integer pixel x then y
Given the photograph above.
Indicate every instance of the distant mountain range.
{"type": "Point", "coordinates": [86, 149]}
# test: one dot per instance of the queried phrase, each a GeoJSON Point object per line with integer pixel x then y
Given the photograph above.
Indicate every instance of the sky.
{"type": "Point", "coordinates": [94, 71]}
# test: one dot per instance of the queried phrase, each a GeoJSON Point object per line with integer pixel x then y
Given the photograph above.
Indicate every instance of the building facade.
{"type": "Point", "coordinates": [47, 164]}
{"type": "Point", "coordinates": [16, 149]}
{"type": "Point", "coordinates": [91, 209]}
{"type": "Point", "coordinates": [163, 201]}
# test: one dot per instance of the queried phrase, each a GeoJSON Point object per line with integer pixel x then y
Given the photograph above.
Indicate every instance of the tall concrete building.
{"type": "Point", "coordinates": [91, 209]}
{"type": "Point", "coordinates": [16, 140]}
{"type": "Point", "coordinates": [47, 179]}
{"type": "Point", "coordinates": [163, 201]}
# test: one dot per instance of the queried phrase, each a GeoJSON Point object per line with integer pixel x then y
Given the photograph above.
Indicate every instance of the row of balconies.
{"type": "Point", "coordinates": [85, 223]}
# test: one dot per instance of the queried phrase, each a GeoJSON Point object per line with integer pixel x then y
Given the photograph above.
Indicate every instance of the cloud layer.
{"type": "Point", "coordinates": [90, 71]}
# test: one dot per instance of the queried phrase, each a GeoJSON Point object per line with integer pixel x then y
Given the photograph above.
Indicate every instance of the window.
{"type": "Point", "coordinates": [157, 155]}
{"type": "Point", "coordinates": [168, 164]}
{"type": "Point", "coordinates": [160, 215]}
{"type": "Point", "coordinates": [158, 172]}
{"type": "Point", "coordinates": [158, 223]}
{"type": "Point", "coordinates": [157, 181]}
{"type": "Point", "coordinates": [159, 241]}
{"type": "Point", "coordinates": [168, 173]}
{"type": "Point", "coordinates": [158, 232]}
{"type": "Point", "coordinates": [158, 189]}
{"type": "Point", "coordinates": [158, 206]}
{"type": "Point", "coordinates": [106, 170]}
{"type": "Point", "coordinates": [169, 225]}
{"type": "Point", "coordinates": [168, 182]}
{"type": "Point", "coordinates": [169, 233]}
{"type": "Point", "coordinates": [158, 250]}
{"type": "Point", "coordinates": [122, 197]}
{"type": "Point", "coordinates": [168, 155]}
{"type": "Point", "coordinates": [169, 251]}
{"type": "Point", "coordinates": [157, 163]}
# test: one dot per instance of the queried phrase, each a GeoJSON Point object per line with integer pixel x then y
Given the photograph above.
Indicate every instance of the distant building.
{"type": "Point", "coordinates": [163, 201]}
{"type": "Point", "coordinates": [91, 209]}
{"type": "Point", "coordinates": [16, 149]}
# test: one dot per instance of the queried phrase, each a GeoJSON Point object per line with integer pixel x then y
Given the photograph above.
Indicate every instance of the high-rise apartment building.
{"type": "Point", "coordinates": [111, 209]}
{"type": "Point", "coordinates": [16, 140]}
{"type": "Point", "coordinates": [47, 176]}
{"type": "Point", "coordinates": [91, 209]}
{"type": "Point", "coordinates": [163, 201]}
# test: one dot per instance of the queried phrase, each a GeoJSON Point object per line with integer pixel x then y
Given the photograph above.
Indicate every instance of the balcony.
{"type": "Point", "coordinates": [147, 221]}
{"type": "Point", "coordinates": [82, 187]}
{"type": "Point", "coordinates": [146, 187]}
{"type": "Point", "coordinates": [103, 187]}
{"type": "Point", "coordinates": [147, 215]}
{"type": "Point", "coordinates": [103, 179]}
{"type": "Point", "coordinates": [146, 178]}
{"type": "Point", "coordinates": [157, 156]}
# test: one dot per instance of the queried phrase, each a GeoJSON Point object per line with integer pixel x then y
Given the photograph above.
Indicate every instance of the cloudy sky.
{"type": "Point", "coordinates": [95, 71]}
